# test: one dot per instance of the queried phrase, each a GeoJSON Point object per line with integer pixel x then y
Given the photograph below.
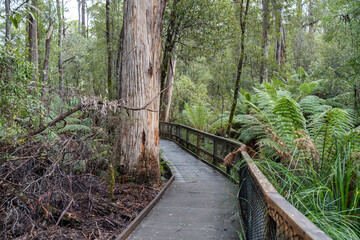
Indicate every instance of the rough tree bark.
{"type": "Point", "coordinates": [46, 62]}
{"type": "Point", "coordinates": [83, 14]}
{"type": "Point", "coordinates": [265, 42]}
{"type": "Point", "coordinates": [32, 39]}
{"type": "Point", "coordinates": [243, 19]}
{"type": "Point", "coordinates": [7, 21]}
{"type": "Point", "coordinates": [61, 35]}
{"type": "Point", "coordinates": [137, 144]}
{"type": "Point", "coordinates": [109, 51]}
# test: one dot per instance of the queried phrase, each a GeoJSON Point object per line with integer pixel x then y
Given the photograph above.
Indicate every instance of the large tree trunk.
{"type": "Point", "coordinates": [243, 19]}
{"type": "Point", "coordinates": [7, 21]}
{"type": "Point", "coordinates": [46, 63]}
{"type": "Point", "coordinates": [137, 144]}
{"type": "Point", "coordinates": [109, 51]}
{"type": "Point", "coordinates": [83, 14]}
{"type": "Point", "coordinates": [33, 39]}
{"type": "Point", "coordinates": [61, 35]}
{"type": "Point", "coordinates": [166, 100]}
{"type": "Point", "coordinates": [265, 42]}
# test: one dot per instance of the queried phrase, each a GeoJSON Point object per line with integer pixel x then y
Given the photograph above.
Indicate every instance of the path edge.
{"type": "Point", "coordinates": [131, 227]}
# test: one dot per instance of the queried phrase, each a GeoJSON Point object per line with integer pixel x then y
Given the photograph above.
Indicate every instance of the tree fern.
{"type": "Point", "coordinates": [197, 116]}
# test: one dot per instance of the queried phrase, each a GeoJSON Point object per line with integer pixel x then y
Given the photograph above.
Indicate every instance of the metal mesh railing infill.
{"type": "Point", "coordinates": [264, 213]}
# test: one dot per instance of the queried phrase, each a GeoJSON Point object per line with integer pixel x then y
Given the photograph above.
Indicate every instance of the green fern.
{"type": "Point", "coordinates": [197, 116]}
{"type": "Point", "coordinates": [74, 128]}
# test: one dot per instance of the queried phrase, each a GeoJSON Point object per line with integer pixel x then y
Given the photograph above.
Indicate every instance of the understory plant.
{"type": "Point", "coordinates": [311, 153]}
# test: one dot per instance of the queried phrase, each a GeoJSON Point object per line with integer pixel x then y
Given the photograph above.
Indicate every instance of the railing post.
{"type": "Point", "coordinates": [171, 131]}
{"type": "Point", "coordinates": [187, 138]}
{"type": "Point", "coordinates": [228, 150]}
{"type": "Point", "coordinates": [214, 151]}
{"type": "Point", "coordinates": [198, 141]}
{"type": "Point", "coordinates": [178, 134]}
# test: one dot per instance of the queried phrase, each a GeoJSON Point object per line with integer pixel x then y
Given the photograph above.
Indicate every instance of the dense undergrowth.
{"type": "Point", "coordinates": [59, 183]}
{"type": "Point", "coordinates": [308, 147]}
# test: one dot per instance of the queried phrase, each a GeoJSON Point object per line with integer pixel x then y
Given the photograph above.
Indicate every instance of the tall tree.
{"type": "Point", "coordinates": [33, 38]}
{"type": "Point", "coordinates": [168, 91]}
{"type": "Point", "coordinates": [109, 51]}
{"type": "Point", "coordinates": [168, 62]}
{"type": "Point", "coordinates": [279, 30]}
{"type": "Point", "coordinates": [118, 67]}
{"type": "Point", "coordinates": [45, 74]}
{"type": "Point", "coordinates": [137, 143]}
{"type": "Point", "coordinates": [7, 20]}
{"type": "Point", "coordinates": [243, 13]}
{"type": "Point", "coordinates": [79, 15]}
{"type": "Point", "coordinates": [265, 41]}
{"type": "Point", "coordinates": [83, 14]}
{"type": "Point", "coordinates": [61, 35]}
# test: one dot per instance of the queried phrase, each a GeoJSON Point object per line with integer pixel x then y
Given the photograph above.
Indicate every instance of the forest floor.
{"type": "Point", "coordinates": [46, 194]}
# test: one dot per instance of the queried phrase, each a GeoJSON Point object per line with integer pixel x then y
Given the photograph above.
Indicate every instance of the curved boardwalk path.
{"type": "Point", "coordinates": [200, 204]}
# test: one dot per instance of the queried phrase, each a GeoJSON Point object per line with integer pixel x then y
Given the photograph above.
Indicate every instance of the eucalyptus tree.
{"type": "Point", "coordinates": [137, 144]}
{"type": "Point", "coordinates": [32, 37]}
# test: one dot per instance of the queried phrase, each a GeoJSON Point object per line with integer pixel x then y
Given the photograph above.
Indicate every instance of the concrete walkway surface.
{"type": "Point", "coordinates": [200, 204]}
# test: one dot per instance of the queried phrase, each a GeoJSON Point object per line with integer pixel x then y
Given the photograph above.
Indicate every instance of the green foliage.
{"type": "Point", "coordinates": [19, 95]}
{"type": "Point", "coordinates": [197, 116]}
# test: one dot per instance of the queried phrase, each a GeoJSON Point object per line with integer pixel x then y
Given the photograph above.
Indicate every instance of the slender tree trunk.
{"type": "Point", "coordinates": [83, 14]}
{"type": "Point", "coordinates": [311, 18]}
{"type": "Point", "coordinates": [277, 6]}
{"type": "Point", "coordinates": [87, 23]}
{"type": "Point", "coordinates": [33, 40]}
{"type": "Point", "coordinates": [169, 43]}
{"type": "Point", "coordinates": [118, 67]}
{"type": "Point", "coordinates": [79, 14]}
{"type": "Point", "coordinates": [243, 19]}
{"type": "Point", "coordinates": [46, 63]}
{"type": "Point", "coordinates": [137, 145]}
{"type": "Point", "coordinates": [168, 64]}
{"type": "Point", "coordinates": [7, 21]}
{"type": "Point", "coordinates": [109, 51]}
{"type": "Point", "coordinates": [265, 42]}
{"type": "Point", "coordinates": [166, 100]}
{"type": "Point", "coordinates": [61, 35]}
{"type": "Point", "coordinates": [357, 99]}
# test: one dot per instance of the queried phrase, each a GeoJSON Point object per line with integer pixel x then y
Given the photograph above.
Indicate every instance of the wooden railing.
{"type": "Point", "coordinates": [264, 213]}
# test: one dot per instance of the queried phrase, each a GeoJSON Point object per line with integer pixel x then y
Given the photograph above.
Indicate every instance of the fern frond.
{"type": "Point", "coordinates": [290, 116]}
{"type": "Point", "coordinates": [74, 128]}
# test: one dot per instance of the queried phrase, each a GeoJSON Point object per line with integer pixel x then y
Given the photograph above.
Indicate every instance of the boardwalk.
{"type": "Point", "coordinates": [200, 204]}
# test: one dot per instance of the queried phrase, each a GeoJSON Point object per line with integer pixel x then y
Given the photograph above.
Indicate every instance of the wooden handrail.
{"type": "Point", "coordinates": [284, 219]}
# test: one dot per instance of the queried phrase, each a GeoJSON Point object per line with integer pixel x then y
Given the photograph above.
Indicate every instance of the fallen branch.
{"type": "Point", "coordinates": [84, 105]}
{"type": "Point", "coordinates": [63, 213]}
{"type": "Point", "coordinates": [56, 120]}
